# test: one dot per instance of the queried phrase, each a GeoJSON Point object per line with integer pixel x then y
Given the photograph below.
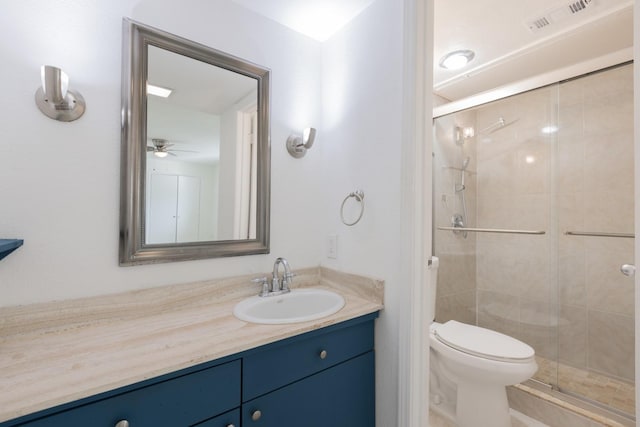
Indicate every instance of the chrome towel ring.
{"type": "Point", "coordinates": [359, 196]}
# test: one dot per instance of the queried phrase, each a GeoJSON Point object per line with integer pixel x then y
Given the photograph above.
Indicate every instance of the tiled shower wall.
{"type": "Point", "coordinates": [564, 295]}
{"type": "Point", "coordinates": [456, 294]}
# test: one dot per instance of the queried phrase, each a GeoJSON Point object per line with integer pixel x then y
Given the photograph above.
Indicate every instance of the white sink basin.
{"type": "Point", "coordinates": [299, 305]}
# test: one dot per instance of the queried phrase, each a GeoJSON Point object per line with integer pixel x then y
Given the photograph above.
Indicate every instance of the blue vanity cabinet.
{"type": "Point", "coordinates": [341, 396]}
{"type": "Point", "coordinates": [180, 401]}
{"type": "Point", "coordinates": [320, 379]}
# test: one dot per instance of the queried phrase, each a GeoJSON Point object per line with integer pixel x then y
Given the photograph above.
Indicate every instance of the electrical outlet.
{"type": "Point", "coordinates": [332, 246]}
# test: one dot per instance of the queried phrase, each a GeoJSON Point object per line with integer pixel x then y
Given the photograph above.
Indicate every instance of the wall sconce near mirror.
{"type": "Point", "coordinates": [55, 99]}
{"type": "Point", "coordinates": [298, 145]}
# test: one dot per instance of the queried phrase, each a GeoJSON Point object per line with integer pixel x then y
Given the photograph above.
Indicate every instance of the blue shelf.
{"type": "Point", "coordinates": [9, 245]}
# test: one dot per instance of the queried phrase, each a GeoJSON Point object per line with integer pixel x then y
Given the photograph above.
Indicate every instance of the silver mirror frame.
{"type": "Point", "coordinates": [133, 250]}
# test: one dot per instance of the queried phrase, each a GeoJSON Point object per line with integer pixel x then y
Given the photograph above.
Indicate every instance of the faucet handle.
{"type": "Point", "coordinates": [265, 285]}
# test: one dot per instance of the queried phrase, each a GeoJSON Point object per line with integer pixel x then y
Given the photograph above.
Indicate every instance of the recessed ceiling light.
{"type": "Point", "coordinates": [548, 130]}
{"type": "Point", "coordinates": [158, 91]}
{"type": "Point", "coordinates": [457, 59]}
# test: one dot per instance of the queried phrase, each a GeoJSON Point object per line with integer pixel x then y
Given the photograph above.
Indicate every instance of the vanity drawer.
{"type": "Point", "coordinates": [287, 361]}
{"type": "Point", "coordinates": [180, 401]}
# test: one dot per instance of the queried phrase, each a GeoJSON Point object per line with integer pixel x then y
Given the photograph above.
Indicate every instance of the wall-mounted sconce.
{"type": "Point", "coordinates": [298, 145]}
{"type": "Point", "coordinates": [55, 99]}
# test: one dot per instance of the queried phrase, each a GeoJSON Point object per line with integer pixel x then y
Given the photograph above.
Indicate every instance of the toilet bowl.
{"type": "Point", "coordinates": [479, 363]}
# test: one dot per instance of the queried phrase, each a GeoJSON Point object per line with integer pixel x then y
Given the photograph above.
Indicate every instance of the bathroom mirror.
{"type": "Point", "coordinates": [195, 172]}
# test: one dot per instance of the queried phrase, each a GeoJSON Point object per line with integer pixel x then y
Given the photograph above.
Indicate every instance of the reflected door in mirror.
{"type": "Point", "coordinates": [174, 209]}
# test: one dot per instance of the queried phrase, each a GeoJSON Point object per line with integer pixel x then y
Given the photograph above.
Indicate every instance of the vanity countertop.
{"type": "Point", "coordinates": [60, 352]}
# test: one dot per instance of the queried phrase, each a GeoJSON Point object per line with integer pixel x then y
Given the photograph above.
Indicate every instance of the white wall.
{"type": "Point", "coordinates": [59, 182]}
{"type": "Point", "coordinates": [361, 149]}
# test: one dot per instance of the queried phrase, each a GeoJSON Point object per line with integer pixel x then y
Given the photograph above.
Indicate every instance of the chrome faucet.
{"type": "Point", "coordinates": [278, 286]}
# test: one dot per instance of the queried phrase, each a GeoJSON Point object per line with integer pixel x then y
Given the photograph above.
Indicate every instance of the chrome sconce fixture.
{"type": "Point", "coordinates": [55, 99]}
{"type": "Point", "coordinates": [298, 145]}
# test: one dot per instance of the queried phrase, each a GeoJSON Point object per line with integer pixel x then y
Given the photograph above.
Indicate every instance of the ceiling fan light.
{"type": "Point", "coordinates": [457, 59]}
{"type": "Point", "coordinates": [161, 154]}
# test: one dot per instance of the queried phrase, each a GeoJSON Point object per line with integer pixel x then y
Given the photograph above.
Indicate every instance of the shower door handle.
{"type": "Point", "coordinates": [628, 270]}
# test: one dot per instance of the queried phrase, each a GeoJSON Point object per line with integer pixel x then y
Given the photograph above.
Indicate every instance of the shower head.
{"type": "Point", "coordinates": [461, 187]}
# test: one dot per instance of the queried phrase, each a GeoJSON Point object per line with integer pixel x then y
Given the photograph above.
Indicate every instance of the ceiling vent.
{"type": "Point", "coordinates": [557, 14]}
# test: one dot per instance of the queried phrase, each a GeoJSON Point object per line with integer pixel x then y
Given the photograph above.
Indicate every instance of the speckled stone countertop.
{"type": "Point", "coordinates": [60, 352]}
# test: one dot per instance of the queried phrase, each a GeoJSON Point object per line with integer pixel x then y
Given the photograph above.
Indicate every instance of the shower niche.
{"type": "Point", "coordinates": [533, 219]}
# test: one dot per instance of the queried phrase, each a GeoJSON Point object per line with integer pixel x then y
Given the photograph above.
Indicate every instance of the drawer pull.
{"type": "Point", "coordinates": [256, 415]}
{"type": "Point", "coordinates": [323, 354]}
{"type": "Point", "coordinates": [123, 423]}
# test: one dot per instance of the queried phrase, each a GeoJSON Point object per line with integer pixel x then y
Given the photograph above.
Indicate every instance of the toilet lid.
{"type": "Point", "coordinates": [482, 342]}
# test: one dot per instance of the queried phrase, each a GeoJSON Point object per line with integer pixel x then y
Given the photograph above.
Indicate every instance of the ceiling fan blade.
{"type": "Point", "coordinates": [171, 154]}
{"type": "Point", "coordinates": [151, 148]}
{"type": "Point", "coordinates": [184, 151]}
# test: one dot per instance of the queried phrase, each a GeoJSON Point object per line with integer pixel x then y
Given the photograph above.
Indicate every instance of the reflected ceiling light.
{"type": "Point", "coordinates": [298, 145]}
{"type": "Point", "coordinates": [547, 130]}
{"type": "Point", "coordinates": [160, 91]}
{"type": "Point", "coordinates": [529, 159]}
{"type": "Point", "coordinates": [457, 59]}
{"type": "Point", "coordinates": [55, 99]}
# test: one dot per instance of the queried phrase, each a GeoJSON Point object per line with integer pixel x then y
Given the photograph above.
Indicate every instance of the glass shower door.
{"type": "Point", "coordinates": [595, 198]}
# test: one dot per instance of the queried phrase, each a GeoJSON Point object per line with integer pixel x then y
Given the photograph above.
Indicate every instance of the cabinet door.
{"type": "Point", "coordinates": [342, 396]}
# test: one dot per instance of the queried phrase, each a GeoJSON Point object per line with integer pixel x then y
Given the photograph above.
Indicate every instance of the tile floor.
{"type": "Point", "coordinates": [615, 393]}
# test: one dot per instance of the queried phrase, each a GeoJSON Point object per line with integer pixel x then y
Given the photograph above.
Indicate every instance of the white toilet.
{"type": "Point", "coordinates": [470, 369]}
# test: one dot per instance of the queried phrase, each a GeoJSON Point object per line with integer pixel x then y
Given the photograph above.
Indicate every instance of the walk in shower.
{"type": "Point", "coordinates": [534, 217]}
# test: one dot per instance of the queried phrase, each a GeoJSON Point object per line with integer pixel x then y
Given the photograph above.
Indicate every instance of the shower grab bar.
{"type": "Point", "coordinates": [599, 234]}
{"type": "Point", "coordinates": [492, 230]}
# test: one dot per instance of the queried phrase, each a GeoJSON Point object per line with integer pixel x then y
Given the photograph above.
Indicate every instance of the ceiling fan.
{"type": "Point", "coordinates": [161, 148]}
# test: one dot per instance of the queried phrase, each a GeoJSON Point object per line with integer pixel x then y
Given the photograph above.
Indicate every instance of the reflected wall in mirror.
{"type": "Point", "coordinates": [196, 152]}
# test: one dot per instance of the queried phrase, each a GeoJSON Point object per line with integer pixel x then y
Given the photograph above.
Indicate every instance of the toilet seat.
{"type": "Point", "coordinates": [483, 342]}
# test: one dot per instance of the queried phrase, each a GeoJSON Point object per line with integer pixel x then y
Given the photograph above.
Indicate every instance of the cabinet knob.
{"type": "Point", "coordinates": [323, 354]}
{"type": "Point", "coordinates": [256, 415]}
{"type": "Point", "coordinates": [122, 423]}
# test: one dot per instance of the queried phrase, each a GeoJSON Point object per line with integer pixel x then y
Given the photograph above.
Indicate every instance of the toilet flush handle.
{"type": "Point", "coordinates": [628, 270]}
